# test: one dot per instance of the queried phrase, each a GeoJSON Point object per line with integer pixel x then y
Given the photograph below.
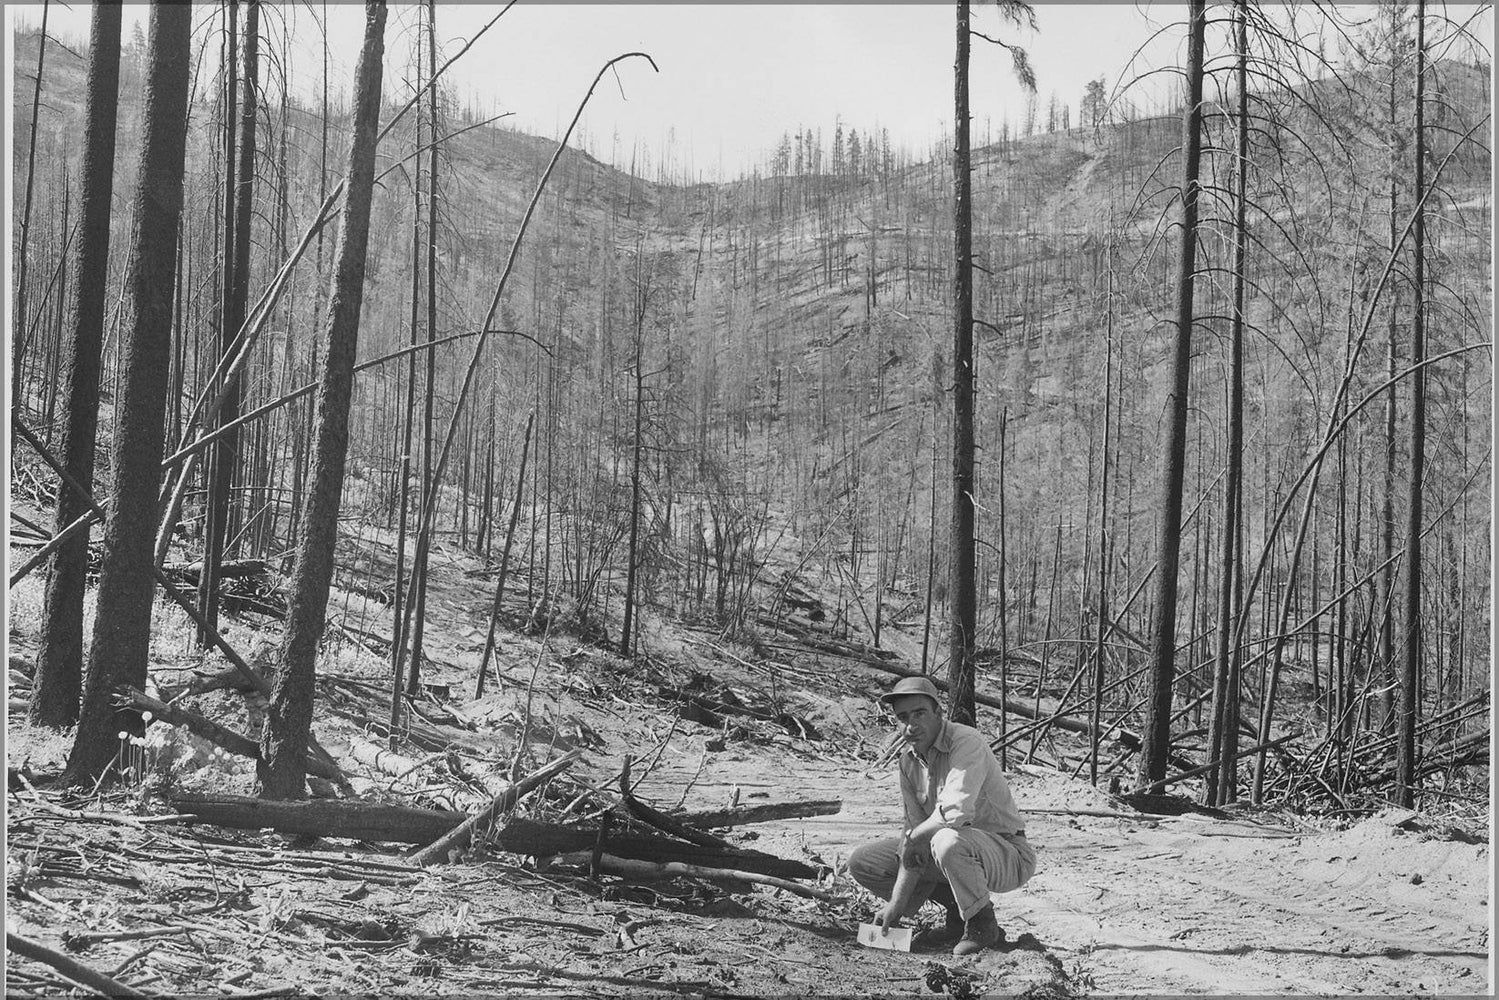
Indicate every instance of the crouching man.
{"type": "Point", "coordinates": [962, 837]}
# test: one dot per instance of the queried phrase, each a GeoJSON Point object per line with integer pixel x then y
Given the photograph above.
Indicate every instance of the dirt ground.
{"type": "Point", "coordinates": [1394, 904]}
{"type": "Point", "coordinates": [1122, 902]}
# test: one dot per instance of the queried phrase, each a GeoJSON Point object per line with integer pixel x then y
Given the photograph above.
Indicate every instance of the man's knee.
{"type": "Point", "coordinates": [870, 863]}
{"type": "Point", "coordinates": [946, 843]}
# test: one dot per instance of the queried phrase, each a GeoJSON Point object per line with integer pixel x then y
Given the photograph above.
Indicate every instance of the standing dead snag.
{"type": "Point", "coordinates": [1156, 746]}
{"type": "Point", "coordinates": [59, 662]}
{"type": "Point", "coordinates": [122, 627]}
{"type": "Point", "coordinates": [282, 772]}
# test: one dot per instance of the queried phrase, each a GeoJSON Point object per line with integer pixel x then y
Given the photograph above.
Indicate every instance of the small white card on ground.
{"type": "Point", "coordinates": [895, 939]}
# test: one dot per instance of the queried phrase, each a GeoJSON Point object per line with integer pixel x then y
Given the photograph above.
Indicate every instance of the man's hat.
{"type": "Point", "coordinates": [912, 685]}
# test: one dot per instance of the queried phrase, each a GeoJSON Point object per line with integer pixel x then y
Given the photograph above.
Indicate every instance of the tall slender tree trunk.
{"type": "Point", "coordinates": [398, 606]}
{"type": "Point", "coordinates": [283, 746]}
{"type": "Point", "coordinates": [626, 634]}
{"type": "Point", "coordinates": [19, 323]}
{"type": "Point", "coordinates": [216, 489]}
{"type": "Point", "coordinates": [962, 590]}
{"type": "Point", "coordinates": [428, 523]}
{"type": "Point", "coordinates": [1100, 663]}
{"type": "Point", "coordinates": [499, 587]}
{"type": "Point", "coordinates": [1406, 775]}
{"type": "Point", "coordinates": [1156, 739]}
{"type": "Point", "coordinates": [127, 587]}
{"type": "Point", "coordinates": [1222, 783]}
{"type": "Point", "coordinates": [59, 665]}
{"type": "Point", "coordinates": [224, 463]}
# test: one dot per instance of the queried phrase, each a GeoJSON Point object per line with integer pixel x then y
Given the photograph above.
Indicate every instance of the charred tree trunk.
{"type": "Point", "coordinates": [1157, 731]}
{"type": "Point", "coordinates": [962, 588]}
{"type": "Point", "coordinates": [59, 666]}
{"type": "Point", "coordinates": [19, 323]}
{"type": "Point", "coordinates": [224, 465]}
{"type": "Point", "coordinates": [1406, 774]}
{"type": "Point", "coordinates": [1222, 784]}
{"type": "Point", "coordinates": [282, 771]}
{"type": "Point", "coordinates": [122, 627]}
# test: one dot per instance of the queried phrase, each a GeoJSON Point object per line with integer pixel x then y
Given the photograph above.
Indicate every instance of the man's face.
{"type": "Point", "coordinates": [919, 719]}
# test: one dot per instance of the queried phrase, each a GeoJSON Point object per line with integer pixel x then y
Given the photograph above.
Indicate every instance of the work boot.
{"type": "Point", "coordinates": [953, 924]}
{"type": "Point", "coordinates": [980, 932]}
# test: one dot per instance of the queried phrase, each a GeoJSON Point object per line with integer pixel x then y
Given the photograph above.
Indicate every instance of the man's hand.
{"type": "Point", "coordinates": [888, 916]}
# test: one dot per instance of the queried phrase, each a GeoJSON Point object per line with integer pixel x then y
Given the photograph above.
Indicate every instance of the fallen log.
{"type": "Point", "coordinates": [349, 818]}
{"type": "Point", "coordinates": [203, 683]}
{"type": "Point", "coordinates": [69, 967]}
{"type": "Point", "coordinates": [381, 759]}
{"type": "Point", "coordinates": [229, 569]}
{"type": "Point", "coordinates": [232, 742]}
{"type": "Point", "coordinates": [635, 869]}
{"type": "Point", "coordinates": [660, 820]}
{"type": "Point", "coordinates": [744, 815]}
{"type": "Point", "coordinates": [538, 840]}
{"type": "Point", "coordinates": [458, 838]}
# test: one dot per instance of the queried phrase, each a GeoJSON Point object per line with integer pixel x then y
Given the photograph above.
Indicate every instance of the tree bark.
{"type": "Point", "coordinates": [321, 817]}
{"type": "Point", "coordinates": [19, 323]}
{"type": "Point", "coordinates": [282, 771]}
{"type": "Point", "coordinates": [499, 587]}
{"type": "Point", "coordinates": [1222, 784]}
{"type": "Point", "coordinates": [745, 815]}
{"type": "Point", "coordinates": [459, 837]}
{"type": "Point", "coordinates": [122, 627]}
{"type": "Point", "coordinates": [1157, 730]}
{"type": "Point", "coordinates": [59, 667]}
{"type": "Point", "coordinates": [1407, 776]}
{"type": "Point", "coordinates": [224, 462]}
{"type": "Point", "coordinates": [524, 836]}
{"type": "Point", "coordinates": [961, 589]}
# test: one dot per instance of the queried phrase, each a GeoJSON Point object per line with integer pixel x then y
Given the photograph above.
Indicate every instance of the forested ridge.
{"type": "Point", "coordinates": [734, 398]}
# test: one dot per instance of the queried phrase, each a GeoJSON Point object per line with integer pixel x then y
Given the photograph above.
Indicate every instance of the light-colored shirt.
{"type": "Point", "coordinates": [961, 780]}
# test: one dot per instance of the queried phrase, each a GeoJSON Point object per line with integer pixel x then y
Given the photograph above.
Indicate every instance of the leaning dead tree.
{"type": "Point", "coordinates": [282, 771]}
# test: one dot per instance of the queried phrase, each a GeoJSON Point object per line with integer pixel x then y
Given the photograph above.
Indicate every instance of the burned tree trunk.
{"type": "Point", "coordinates": [127, 584]}
{"type": "Point", "coordinates": [282, 771]}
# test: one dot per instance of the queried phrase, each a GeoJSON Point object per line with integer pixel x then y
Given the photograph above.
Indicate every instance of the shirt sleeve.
{"type": "Point", "coordinates": [957, 799]}
{"type": "Point", "coordinates": [911, 795]}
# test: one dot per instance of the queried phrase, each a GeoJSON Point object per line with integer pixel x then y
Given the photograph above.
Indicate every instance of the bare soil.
{"type": "Point", "coordinates": [1123, 902]}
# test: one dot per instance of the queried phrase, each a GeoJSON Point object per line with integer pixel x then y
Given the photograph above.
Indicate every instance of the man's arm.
{"type": "Point", "coordinates": [905, 887]}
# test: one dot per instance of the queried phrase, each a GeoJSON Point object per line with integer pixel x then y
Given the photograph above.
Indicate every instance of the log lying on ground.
{"type": "Point", "coordinates": [200, 725]}
{"type": "Point", "coordinates": [226, 677]}
{"type": "Point", "coordinates": [524, 836]}
{"type": "Point", "coordinates": [650, 814]}
{"type": "Point", "coordinates": [394, 764]}
{"type": "Point", "coordinates": [631, 868]}
{"type": "Point", "coordinates": [227, 570]}
{"type": "Point", "coordinates": [458, 838]}
{"type": "Point", "coordinates": [769, 811]}
{"type": "Point", "coordinates": [69, 967]}
{"type": "Point", "coordinates": [322, 817]}
{"type": "Point", "coordinates": [711, 711]}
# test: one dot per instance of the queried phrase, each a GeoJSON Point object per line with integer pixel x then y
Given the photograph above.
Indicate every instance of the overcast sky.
{"type": "Point", "coordinates": [733, 77]}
